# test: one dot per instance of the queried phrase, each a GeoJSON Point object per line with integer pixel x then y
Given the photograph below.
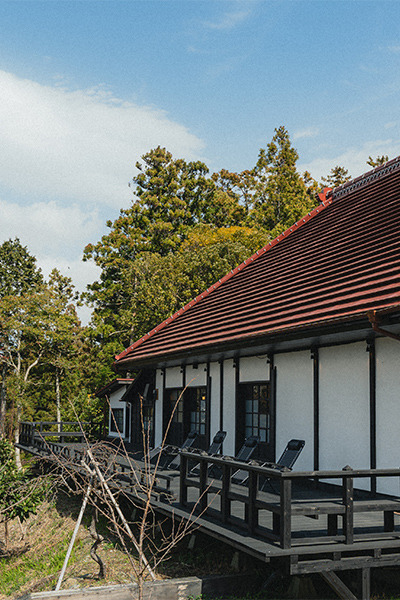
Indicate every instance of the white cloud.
{"type": "Point", "coordinates": [354, 159]}
{"type": "Point", "coordinates": [231, 18]}
{"type": "Point", "coordinates": [306, 133]}
{"type": "Point", "coordinates": [395, 49]}
{"type": "Point", "coordinates": [49, 228]}
{"type": "Point", "coordinates": [66, 158]}
{"type": "Point", "coordinates": [78, 145]}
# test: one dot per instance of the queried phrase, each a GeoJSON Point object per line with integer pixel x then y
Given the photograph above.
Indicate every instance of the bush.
{"type": "Point", "coordinates": [20, 495]}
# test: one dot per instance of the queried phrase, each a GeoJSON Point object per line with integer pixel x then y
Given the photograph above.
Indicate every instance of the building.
{"type": "Point", "coordinates": [299, 341]}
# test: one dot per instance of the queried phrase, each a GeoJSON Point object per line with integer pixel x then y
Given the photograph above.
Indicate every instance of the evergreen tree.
{"type": "Point", "coordinates": [280, 193]}
{"type": "Point", "coordinates": [379, 160]}
{"type": "Point", "coordinates": [338, 176]}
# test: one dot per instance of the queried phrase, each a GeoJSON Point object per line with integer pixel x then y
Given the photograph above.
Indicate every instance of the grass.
{"type": "Point", "coordinates": [36, 559]}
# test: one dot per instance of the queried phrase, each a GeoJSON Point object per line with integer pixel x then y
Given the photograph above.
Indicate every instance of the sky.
{"type": "Point", "coordinates": [87, 87]}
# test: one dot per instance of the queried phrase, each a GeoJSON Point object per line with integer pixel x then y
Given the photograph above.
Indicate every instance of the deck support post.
{"type": "Point", "coordinates": [338, 586]}
{"type": "Point", "coordinates": [365, 583]}
{"type": "Point", "coordinates": [286, 513]}
{"type": "Point", "coordinates": [182, 481]}
{"type": "Point", "coordinates": [252, 509]}
{"type": "Point", "coordinates": [203, 485]}
{"type": "Point", "coordinates": [225, 502]}
{"type": "Point", "coordinates": [388, 520]}
{"type": "Point", "coordinates": [348, 501]}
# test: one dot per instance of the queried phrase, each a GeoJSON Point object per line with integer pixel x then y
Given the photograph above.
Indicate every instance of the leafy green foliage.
{"type": "Point", "coordinates": [18, 270]}
{"type": "Point", "coordinates": [280, 196]}
{"type": "Point", "coordinates": [184, 231]}
{"type": "Point", "coordinates": [338, 176]}
{"type": "Point", "coordinates": [19, 495]}
{"type": "Point", "coordinates": [379, 160]}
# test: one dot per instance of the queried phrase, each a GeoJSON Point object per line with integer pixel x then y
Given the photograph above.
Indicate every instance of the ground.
{"type": "Point", "coordinates": [37, 551]}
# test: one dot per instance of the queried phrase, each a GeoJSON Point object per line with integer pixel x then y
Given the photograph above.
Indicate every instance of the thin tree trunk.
{"type": "Point", "coordinates": [16, 436]}
{"type": "Point", "coordinates": [58, 399]}
{"type": "Point", "coordinates": [3, 403]}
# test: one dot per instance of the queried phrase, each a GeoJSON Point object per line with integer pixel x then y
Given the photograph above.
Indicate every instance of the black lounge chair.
{"type": "Point", "coordinates": [287, 460]}
{"type": "Point", "coordinates": [214, 449]}
{"type": "Point", "coordinates": [243, 455]}
{"type": "Point", "coordinates": [289, 456]}
{"type": "Point", "coordinates": [170, 453]}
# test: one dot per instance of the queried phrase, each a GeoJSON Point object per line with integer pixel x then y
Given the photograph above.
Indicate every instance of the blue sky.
{"type": "Point", "coordinates": [86, 87]}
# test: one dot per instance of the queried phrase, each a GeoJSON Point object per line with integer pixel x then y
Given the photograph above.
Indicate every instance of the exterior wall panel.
{"type": "Point", "coordinates": [229, 400]}
{"type": "Point", "coordinates": [344, 407]}
{"type": "Point", "coordinates": [115, 403]}
{"type": "Point", "coordinates": [254, 368]}
{"type": "Point", "coordinates": [294, 404]}
{"type": "Point", "coordinates": [388, 411]}
{"type": "Point", "coordinates": [158, 408]}
{"type": "Point", "coordinates": [215, 401]}
{"type": "Point", "coordinates": [173, 377]}
{"type": "Point", "coordinates": [196, 377]}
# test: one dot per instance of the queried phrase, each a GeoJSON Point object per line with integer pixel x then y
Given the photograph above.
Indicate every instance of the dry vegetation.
{"type": "Point", "coordinates": [36, 556]}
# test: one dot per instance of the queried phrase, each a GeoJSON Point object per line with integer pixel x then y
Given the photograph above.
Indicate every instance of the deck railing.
{"type": "Point", "coordinates": [30, 432]}
{"type": "Point", "coordinates": [281, 507]}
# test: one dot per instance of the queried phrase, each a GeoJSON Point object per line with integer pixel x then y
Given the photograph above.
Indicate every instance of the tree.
{"type": "Point", "coordinates": [280, 193]}
{"type": "Point", "coordinates": [337, 176]}
{"type": "Point", "coordinates": [19, 495]}
{"type": "Point", "coordinates": [18, 270]}
{"type": "Point", "coordinates": [379, 160]}
{"type": "Point", "coordinates": [18, 274]}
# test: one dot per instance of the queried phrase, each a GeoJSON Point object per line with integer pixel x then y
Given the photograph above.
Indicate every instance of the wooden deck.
{"type": "Point", "coordinates": [299, 518]}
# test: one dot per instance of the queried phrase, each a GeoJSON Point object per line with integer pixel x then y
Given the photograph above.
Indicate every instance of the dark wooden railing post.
{"type": "Point", "coordinates": [182, 481]}
{"type": "Point", "coordinates": [203, 485]}
{"type": "Point", "coordinates": [348, 501]}
{"type": "Point", "coordinates": [286, 513]}
{"type": "Point", "coordinates": [33, 427]}
{"type": "Point", "coordinates": [252, 509]}
{"type": "Point", "coordinates": [225, 502]}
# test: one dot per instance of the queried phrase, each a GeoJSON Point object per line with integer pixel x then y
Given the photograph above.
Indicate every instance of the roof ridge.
{"type": "Point", "coordinates": [324, 203]}
{"type": "Point", "coordinates": [366, 178]}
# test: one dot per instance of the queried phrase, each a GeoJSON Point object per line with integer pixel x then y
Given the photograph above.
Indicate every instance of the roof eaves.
{"type": "Point", "coordinates": [326, 199]}
{"type": "Point", "coordinates": [351, 317]}
{"type": "Point", "coordinates": [113, 384]}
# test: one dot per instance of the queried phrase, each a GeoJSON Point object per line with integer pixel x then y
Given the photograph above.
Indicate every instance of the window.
{"type": "Point", "coordinates": [198, 410]}
{"type": "Point", "coordinates": [148, 419]}
{"type": "Point", "coordinates": [117, 420]}
{"type": "Point", "coordinates": [257, 411]}
{"type": "Point", "coordinates": [176, 406]}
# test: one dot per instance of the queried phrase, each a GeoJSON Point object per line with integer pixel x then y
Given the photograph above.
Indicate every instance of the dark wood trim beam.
{"type": "Point", "coordinates": [372, 408]}
{"type": "Point", "coordinates": [315, 359]}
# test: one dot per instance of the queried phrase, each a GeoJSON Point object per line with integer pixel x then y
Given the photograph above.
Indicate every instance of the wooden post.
{"type": "Point", "coordinates": [348, 501]}
{"type": "Point", "coordinates": [252, 509]}
{"type": "Point", "coordinates": [225, 502]}
{"type": "Point", "coordinates": [365, 583]}
{"type": "Point", "coordinates": [182, 480]}
{"type": "Point", "coordinates": [203, 485]}
{"type": "Point", "coordinates": [286, 513]}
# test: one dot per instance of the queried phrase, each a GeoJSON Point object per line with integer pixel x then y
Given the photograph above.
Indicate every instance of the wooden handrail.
{"type": "Point", "coordinates": [282, 508]}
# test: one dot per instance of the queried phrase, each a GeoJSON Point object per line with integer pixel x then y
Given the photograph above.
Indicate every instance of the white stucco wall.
{"type": "Point", "coordinates": [215, 399]}
{"type": "Point", "coordinates": [294, 402]}
{"type": "Point", "coordinates": [229, 407]}
{"type": "Point", "coordinates": [388, 411]}
{"type": "Point", "coordinates": [344, 407]}
{"type": "Point", "coordinates": [173, 377]}
{"type": "Point", "coordinates": [115, 398]}
{"type": "Point", "coordinates": [254, 368]}
{"type": "Point", "coordinates": [196, 377]}
{"type": "Point", "coordinates": [158, 414]}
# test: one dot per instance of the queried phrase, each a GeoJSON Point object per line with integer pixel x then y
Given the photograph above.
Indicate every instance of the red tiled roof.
{"type": "Point", "coordinates": [338, 262]}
